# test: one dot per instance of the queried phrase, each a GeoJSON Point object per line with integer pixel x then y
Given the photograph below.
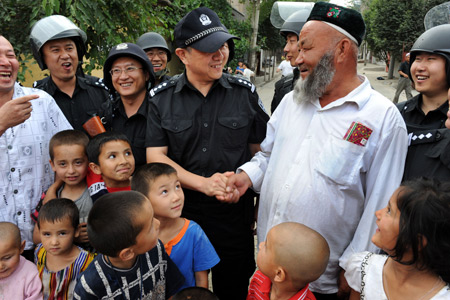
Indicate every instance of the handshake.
{"type": "Point", "coordinates": [226, 187]}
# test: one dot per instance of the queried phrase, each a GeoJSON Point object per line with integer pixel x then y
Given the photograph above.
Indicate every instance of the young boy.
{"type": "Point", "coordinates": [184, 240]}
{"type": "Point", "coordinates": [292, 256]}
{"type": "Point", "coordinates": [133, 263]}
{"type": "Point", "coordinates": [19, 278]}
{"type": "Point", "coordinates": [59, 261]}
{"type": "Point", "coordinates": [69, 161]}
{"type": "Point", "coordinates": [111, 164]}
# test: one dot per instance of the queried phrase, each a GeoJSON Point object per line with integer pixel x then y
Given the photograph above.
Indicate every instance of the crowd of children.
{"type": "Point", "coordinates": [136, 245]}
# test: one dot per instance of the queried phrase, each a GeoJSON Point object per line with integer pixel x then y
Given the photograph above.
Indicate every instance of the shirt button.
{"type": "Point", "coordinates": [234, 124]}
{"type": "Point", "coordinates": [13, 169]}
{"type": "Point", "coordinates": [19, 213]}
{"type": "Point", "coordinates": [205, 124]}
{"type": "Point", "coordinates": [16, 191]}
{"type": "Point", "coordinates": [204, 149]}
{"type": "Point", "coordinates": [9, 147]}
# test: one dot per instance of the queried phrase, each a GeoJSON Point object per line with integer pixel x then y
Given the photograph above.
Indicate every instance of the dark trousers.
{"type": "Point", "coordinates": [325, 296]}
{"type": "Point", "coordinates": [230, 278]}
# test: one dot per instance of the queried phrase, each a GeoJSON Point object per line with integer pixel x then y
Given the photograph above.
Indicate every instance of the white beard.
{"type": "Point", "coordinates": [316, 83]}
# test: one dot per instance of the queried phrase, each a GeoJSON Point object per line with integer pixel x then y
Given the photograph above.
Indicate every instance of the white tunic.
{"type": "Point", "coordinates": [25, 170]}
{"type": "Point", "coordinates": [307, 173]}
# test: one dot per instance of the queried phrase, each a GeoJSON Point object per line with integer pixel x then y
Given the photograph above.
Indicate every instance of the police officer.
{"type": "Point", "coordinates": [128, 72]}
{"type": "Point", "coordinates": [204, 123]}
{"type": "Point", "coordinates": [155, 46]}
{"type": "Point", "coordinates": [426, 113]}
{"type": "Point", "coordinates": [290, 31]}
{"type": "Point", "coordinates": [59, 46]}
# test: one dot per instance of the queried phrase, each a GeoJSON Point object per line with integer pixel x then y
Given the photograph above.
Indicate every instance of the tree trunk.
{"type": "Point", "coordinates": [255, 22]}
{"type": "Point", "coordinates": [391, 67]}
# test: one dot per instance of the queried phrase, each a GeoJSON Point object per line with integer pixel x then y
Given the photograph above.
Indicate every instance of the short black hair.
{"type": "Point", "coordinates": [195, 293]}
{"type": "Point", "coordinates": [424, 206]}
{"type": "Point", "coordinates": [110, 223]}
{"type": "Point", "coordinates": [67, 137]}
{"type": "Point", "coordinates": [148, 173]}
{"type": "Point", "coordinates": [58, 209]}
{"type": "Point", "coordinates": [95, 145]}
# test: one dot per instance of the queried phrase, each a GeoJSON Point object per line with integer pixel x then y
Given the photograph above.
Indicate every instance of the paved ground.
{"type": "Point", "coordinates": [371, 71]}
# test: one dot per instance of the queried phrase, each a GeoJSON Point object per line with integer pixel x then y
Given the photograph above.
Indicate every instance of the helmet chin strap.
{"type": "Point", "coordinates": [161, 73]}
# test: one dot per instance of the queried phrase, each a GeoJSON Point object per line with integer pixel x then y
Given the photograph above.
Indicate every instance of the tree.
{"type": "Point", "coordinates": [394, 26]}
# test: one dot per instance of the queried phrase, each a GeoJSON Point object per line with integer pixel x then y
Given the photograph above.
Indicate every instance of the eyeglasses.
{"type": "Point", "coordinates": [117, 72]}
{"type": "Point", "coordinates": [160, 53]}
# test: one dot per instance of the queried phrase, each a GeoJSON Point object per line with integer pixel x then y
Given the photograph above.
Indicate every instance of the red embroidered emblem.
{"type": "Point", "coordinates": [333, 12]}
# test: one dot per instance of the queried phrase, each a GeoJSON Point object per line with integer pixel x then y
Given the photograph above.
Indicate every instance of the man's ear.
{"type": "Point", "coordinates": [181, 53]}
{"type": "Point", "coordinates": [280, 275]}
{"type": "Point", "coordinates": [422, 241]}
{"type": "Point", "coordinates": [126, 254]}
{"type": "Point", "coordinates": [95, 168]}
{"type": "Point", "coordinates": [22, 246]}
{"type": "Point", "coordinates": [342, 49]}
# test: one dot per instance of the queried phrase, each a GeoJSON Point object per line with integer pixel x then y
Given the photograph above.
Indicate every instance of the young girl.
{"type": "Point", "coordinates": [414, 230]}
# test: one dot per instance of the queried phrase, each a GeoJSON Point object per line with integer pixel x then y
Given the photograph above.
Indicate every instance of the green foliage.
{"type": "Point", "coordinates": [393, 26]}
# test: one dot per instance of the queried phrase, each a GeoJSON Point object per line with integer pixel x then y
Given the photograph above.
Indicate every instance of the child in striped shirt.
{"type": "Point", "coordinates": [59, 261]}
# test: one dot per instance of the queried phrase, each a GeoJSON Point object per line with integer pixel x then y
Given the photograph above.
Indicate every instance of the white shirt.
{"type": "Point", "coordinates": [306, 172]}
{"type": "Point", "coordinates": [248, 73]}
{"type": "Point", "coordinates": [25, 170]}
{"type": "Point", "coordinates": [286, 68]}
{"type": "Point", "coordinates": [373, 277]}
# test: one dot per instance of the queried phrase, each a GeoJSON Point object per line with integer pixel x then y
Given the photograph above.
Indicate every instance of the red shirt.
{"type": "Point", "coordinates": [260, 289]}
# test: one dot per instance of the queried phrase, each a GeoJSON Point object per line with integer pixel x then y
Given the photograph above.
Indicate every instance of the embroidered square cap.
{"type": "Point", "coordinates": [348, 21]}
{"type": "Point", "coordinates": [201, 29]}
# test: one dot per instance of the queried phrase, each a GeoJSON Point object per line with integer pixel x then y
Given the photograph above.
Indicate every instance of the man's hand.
{"type": "Point", "coordinates": [15, 112]}
{"type": "Point", "coordinates": [237, 185]}
{"type": "Point", "coordinates": [216, 184]}
{"type": "Point", "coordinates": [343, 287]}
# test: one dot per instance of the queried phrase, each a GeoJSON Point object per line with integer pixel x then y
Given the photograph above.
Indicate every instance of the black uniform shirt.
{"type": "Point", "coordinates": [206, 135]}
{"type": "Point", "coordinates": [134, 128]}
{"type": "Point", "coordinates": [429, 141]}
{"type": "Point", "coordinates": [282, 87]}
{"type": "Point", "coordinates": [88, 99]}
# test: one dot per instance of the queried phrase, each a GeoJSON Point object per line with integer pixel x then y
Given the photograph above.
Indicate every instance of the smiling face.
{"type": "Point", "coordinates": [9, 256]}
{"type": "Point", "coordinates": [166, 196]}
{"type": "Point", "coordinates": [291, 48]}
{"type": "Point", "coordinates": [203, 67]}
{"type": "Point", "coordinates": [158, 57]}
{"type": "Point", "coordinates": [115, 164]}
{"type": "Point", "coordinates": [131, 84]}
{"type": "Point", "coordinates": [9, 67]}
{"type": "Point", "coordinates": [61, 58]}
{"type": "Point", "coordinates": [57, 237]}
{"type": "Point", "coordinates": [313, 45]}
{"type": "Point", "coordinates": [428, 73]}
{"type": "Point", "coordinates": [70, 163]}
{"type": "Point", "coordinates": [388, 220]}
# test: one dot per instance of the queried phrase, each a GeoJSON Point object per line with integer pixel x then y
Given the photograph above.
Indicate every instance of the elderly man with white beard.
{"type": "Point", "coordinates": [334, 150]}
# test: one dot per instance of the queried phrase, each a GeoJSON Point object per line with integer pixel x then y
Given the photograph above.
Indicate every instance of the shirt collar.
{"type": "Point", "coordinates": [357, 96]}
{"type": "Point", "coordinates": [183, 81]}
{"type": "Point", "coordinates": [417, 105]}
{"type": "Point", "coordinates": [52, 87]}
{"type": "Point", "coordinates": [141, 111]}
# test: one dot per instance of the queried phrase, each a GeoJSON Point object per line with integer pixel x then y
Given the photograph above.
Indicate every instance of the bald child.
{"type": "Point", "coordinates": [19, 278]}
{"type": "Point", "coordinates": [292, 256]}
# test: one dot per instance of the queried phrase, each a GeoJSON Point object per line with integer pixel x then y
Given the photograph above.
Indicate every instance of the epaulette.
{"type": "Point", "coordinates": [94, 81]}
{"type": "Point", "coordinates": [38, 84]}
{"type": "Point", "coordinates": [241, 81]}
{"type": "Point", "coordinates": [165, 85]}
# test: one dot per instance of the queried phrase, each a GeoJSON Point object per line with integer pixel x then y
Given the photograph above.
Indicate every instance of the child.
{"type": "Point", "coordinates": [69, 161]}
{"type": "Point", "coordinates": [19, 278]}
{"type": "Point", "coordinates": [184, 240]}
{"type": "Point", "coordinates": [292, 256]}
{"type": "Point", "coordinates": [414, 230]}
{"type": "Point", "coordinates": [195, 293]}
{"type": "Point", "coordinates": [133, 263]}
{"type": "Point", "coordinates": [58, 260]}
{"type": "Point", "coordinates": [111, 162]}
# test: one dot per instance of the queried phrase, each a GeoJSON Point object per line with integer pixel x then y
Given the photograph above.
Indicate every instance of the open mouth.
{"type": "Point", "coordinates": [125, 84]}
{"type": "Point", "coordinates": [5, 74]}
{"type": "Point", "coordinates": [421, 77]}
{"type": "Point", "coordinates": [67, 65]}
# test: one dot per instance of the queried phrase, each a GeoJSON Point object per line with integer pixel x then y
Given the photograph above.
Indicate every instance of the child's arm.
{"type": "Point", "coordinates": [354, 295]}
{"type": "Point", "coordinates": [52, 190]}
{"type": "Point", "coordinates": [82, 234]}
{"type": "Point", "coordinates": [201, 279]}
